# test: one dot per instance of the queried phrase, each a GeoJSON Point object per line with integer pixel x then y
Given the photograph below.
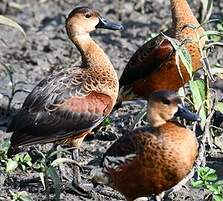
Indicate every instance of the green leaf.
{"type": "Point", "coordinates": [198, 90]}
{"type": "Point", "coordinates": [181, 92]}
{"type": "Point", "coordinates": [218, 197]}
{"type": "Point", "coordinates": [211, 177]}
{"type": "Point", "coordinates": [217, 37]}
{"type": "Point", "coordinates": [207, 7]}
{"type": "Point", "coordinates": [11, 165]}
{"type": "Point", "coordinates": [213, 33]}
{"type": "Point", "coordinates": [210, 171]}
{"type": "Point", "coordinates": [20, 196]}
{"type": "Point", "coordinates": [197, 184]}
{"type": "Point", "coordinates": [150, 36]}
{"type": "Point", "coordinates": [214, 38]}
{"type": "Point", "coordinates": [6, 21]}
{"type": "Point", "coordinates": [51, 171]}
{"type": "Point", "coordinates": [39, 166]}
{"type": "Point", "coordinates": [220, 26]}
{"type": "Point", "coordinates": [29, 163]}
{"type": "Point", "coordinates": [23, 160]}
{"type": "Point", "coordinates": [26, 198]}
{"type": "Point", "coordinates": [17, 157]}
{"type": "Point", "coordinates": [219, 107]}
{"type": "Point", "coordinates": [27, 158]}
{"type": "Point", "coordinates": [214, 188]}
{"type": "Point", "coordinates": [186, 59]}
{"type": "Point", "coordinates": [106, 122]}
{"type": "Point", "coordinates": [207, 174]}
{"type": "Point", "coordinates": [219, 182]}
{"type": "Point", "coordinates": [42, 178]}
{"type": "Point", "coordinates": [23, 167]}
{"type": "Point", "coordinates": [4, 146]}
{"type": "Point", "coordinates": [182, 53]}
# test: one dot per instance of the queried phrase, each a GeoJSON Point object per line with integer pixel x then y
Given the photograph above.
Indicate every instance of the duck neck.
{"type": "Point", "coordinates": [156, 121]}
{"type": "Point", "coordinates": [181, 14]}
{"type": "Point", "coordinates": [154, 118]}
{"type": "Point", "coordinates": [92, 55]}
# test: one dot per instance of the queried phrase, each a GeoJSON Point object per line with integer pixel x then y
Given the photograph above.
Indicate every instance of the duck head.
{"type": "Point", "coordinates": [164, 105]}
{"type": "Point", "coordinates": [83, 20]}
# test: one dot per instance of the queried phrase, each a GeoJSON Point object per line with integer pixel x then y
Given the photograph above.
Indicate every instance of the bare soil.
{"type": "Point", "coordinates": [46, 49]}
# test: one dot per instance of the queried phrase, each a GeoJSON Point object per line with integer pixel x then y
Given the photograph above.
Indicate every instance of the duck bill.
{"type": "Point", "coordinates": [107, 24]}
{"type": "Point", "coordinates": [186, 114]}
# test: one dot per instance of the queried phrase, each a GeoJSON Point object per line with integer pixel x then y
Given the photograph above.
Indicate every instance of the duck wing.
{"type": "Point", "coordinates": [147, 59]}
{"type": "Point", "coordinates": [59, 107]}
{"type": "Point", "coordinates": [127, 148]}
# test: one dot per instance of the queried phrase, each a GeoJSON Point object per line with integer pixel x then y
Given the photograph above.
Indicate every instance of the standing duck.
{"type": "Point", "coordinates": [150, 160]}
{"type": "Point", "coordinates": [153, 66]}
{"type": "Point", "coordinates": [69, 104]}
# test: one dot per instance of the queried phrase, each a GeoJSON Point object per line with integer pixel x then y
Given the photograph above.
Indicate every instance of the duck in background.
{"type": "Point", "coordinates": [153, 66]}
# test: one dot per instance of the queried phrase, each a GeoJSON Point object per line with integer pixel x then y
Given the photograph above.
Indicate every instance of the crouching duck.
{"type": "Point", "coordinates": [150, 160]}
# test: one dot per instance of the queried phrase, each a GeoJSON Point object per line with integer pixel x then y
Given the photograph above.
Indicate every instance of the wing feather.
{"type": "Point", "coordinates": [59, 107]}
{"type": "Point", "coordinates": [147, 59]}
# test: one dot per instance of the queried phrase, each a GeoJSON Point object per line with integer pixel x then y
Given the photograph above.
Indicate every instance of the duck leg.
{"type": "Point", "coordinates": [76, 169]}
{"type": "Point", "coordinates": [77, 185]}
{"type": "Point", "coordinates": [64, 174]}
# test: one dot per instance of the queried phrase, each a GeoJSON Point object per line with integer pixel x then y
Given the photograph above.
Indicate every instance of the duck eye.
{"type": "Point", "coordinates": [166, 101]}
{"type": "Point", "coordinates": [88, 15]}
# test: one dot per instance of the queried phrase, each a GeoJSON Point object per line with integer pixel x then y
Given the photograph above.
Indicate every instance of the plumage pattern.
{"type": "Point", "coordinates": [153, 66]}
{"type": "Point", "coordinates": [153, 53]}
{"type": "Point", "coordinates": [150, 160]}
{"type": "Point", "coordinates": [69, 104]}
{"type": "Point", "coordinates": [162, 158]}
{"type": "Point", "coordinates": [59, 106]}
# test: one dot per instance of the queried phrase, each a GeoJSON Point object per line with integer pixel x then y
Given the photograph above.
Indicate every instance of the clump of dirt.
{"type": "Point", "coordinates": [46, 48]}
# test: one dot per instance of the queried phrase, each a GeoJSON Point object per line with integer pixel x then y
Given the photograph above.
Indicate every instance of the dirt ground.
{"type": "Point", "coordinates": [47, 49]}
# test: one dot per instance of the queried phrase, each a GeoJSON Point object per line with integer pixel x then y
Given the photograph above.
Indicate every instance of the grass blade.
{"type": "Point", "coordinates": [52, 173]}
{"type": "Point", "coordinates": [6, 21]}
{"type": "Point", "coordinates": [42, 178]}
{"type": "Point", "coordinates": [182, 53]}
{"type": "Point", "coordinates": [207, 7]}
{"type": "Point", "coordinates": [198, 91]}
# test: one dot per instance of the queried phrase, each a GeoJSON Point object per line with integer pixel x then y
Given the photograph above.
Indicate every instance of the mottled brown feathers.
{"type": "Point", "coordinates": [163, 157]}
{"type": "Point", "coordinates": [70, 103]}
{"type": "Point", "coordinates": [150, 160]}
{"type": "Point", "coordinates": [60, 106]}
{"type": "Point", "coordinates": [146, 59]}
